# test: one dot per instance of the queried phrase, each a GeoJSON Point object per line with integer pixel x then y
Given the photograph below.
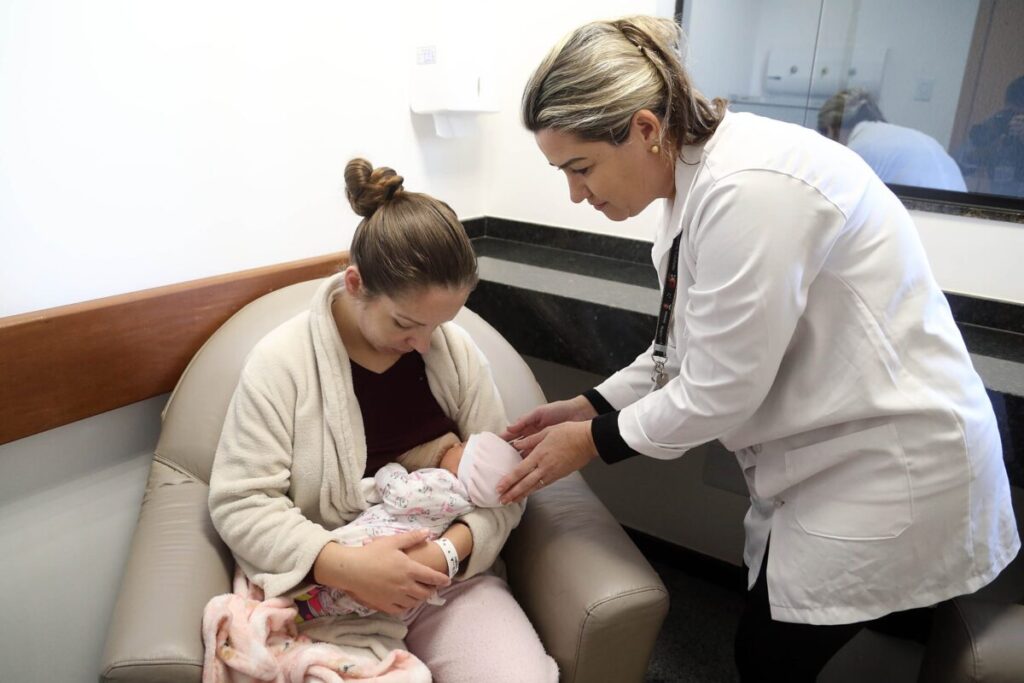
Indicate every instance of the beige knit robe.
{"type": "Point", "coordinates": [292, 454]}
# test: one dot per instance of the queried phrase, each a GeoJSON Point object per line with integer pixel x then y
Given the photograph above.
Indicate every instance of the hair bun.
{"type": "Point", "coordinates": [368, 188]}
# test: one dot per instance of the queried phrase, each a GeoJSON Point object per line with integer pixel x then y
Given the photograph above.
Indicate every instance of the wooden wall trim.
{"type": "Point", "coordinates": [68, 363]}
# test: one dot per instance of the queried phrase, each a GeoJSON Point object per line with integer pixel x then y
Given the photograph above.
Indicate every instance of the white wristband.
{"type": "Point", "coordinates": [451, 556]}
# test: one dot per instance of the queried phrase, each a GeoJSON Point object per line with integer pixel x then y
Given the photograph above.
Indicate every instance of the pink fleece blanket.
{"type": "Point", "coordinates": [249, 639]}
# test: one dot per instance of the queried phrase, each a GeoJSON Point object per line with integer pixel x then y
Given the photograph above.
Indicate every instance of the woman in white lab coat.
{"type": "Point", "coordinates": [807, 334]}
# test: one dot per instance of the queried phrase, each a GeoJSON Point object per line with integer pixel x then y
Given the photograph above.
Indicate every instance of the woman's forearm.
{"type": "Point", "coordinates": [329, 566]}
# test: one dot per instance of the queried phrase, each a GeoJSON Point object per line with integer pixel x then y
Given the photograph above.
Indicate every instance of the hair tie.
{"type": "Point", "coordinates": [632, 42]}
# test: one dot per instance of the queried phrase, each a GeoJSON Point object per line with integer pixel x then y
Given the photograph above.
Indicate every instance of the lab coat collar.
{"type": "Point", "coordinates": [690, 161]}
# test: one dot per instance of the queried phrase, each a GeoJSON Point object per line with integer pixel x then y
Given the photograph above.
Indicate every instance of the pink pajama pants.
{"type": "Point", "coordinates": [479, 634]}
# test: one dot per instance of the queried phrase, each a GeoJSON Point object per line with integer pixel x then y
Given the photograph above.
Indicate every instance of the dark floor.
{"type": "Point", "coordinates": [696, 642]}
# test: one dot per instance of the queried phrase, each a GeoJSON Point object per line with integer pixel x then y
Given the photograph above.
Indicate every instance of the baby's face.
{"type": "Point", "coordinates": [452, 457]}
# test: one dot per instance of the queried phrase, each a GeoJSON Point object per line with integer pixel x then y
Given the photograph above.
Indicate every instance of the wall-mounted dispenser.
{"type": "Point", "coordinates": [453, 69]}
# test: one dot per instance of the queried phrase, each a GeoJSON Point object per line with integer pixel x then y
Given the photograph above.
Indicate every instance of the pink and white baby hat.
{"type": "Point", "coordinates": [485, 460]}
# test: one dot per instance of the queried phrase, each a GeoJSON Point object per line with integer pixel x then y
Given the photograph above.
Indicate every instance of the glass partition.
{"type": "Point", "coordinates": [929, 92]}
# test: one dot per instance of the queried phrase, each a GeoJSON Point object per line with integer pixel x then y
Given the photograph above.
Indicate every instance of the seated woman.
{"type": "Point", "coordinates": [373, 368]}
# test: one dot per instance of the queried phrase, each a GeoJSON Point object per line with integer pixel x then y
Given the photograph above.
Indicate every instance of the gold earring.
{"type": "Point", "coordinates": [655, 149]}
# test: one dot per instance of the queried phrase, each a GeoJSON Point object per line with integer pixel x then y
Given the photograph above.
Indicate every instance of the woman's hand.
{"type": "Point", "coordinates": [572, 410]}
{"type": "Point", "coordinates": [549, 456]}
{"type": "Point", "coordinates": [379, 574]}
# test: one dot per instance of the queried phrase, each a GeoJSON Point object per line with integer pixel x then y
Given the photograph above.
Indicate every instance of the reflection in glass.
{"type": "Point", "coordinates": [899, 155]}
{"type": "Point", "coordinates": [937, 68]}
{"type": "Point", "coordinates": [994, 153]}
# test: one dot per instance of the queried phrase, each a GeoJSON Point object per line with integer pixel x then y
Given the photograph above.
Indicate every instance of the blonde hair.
{"type": "Point", "coordinates": [846, 109]}
{"type": "Point", "coordinates": [406, 240]}
{"type": "Point", "coordinates": [596, 78]}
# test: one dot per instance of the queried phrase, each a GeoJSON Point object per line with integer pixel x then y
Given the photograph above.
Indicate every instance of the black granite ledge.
{"type": "Point", "coordinates": [987, 213]}
{"type": "Point", "coordinates": [993, 343]}
{"type": "Point", "coordinates": [609, 246]}
{"type": "Point", "coordinates": [563, 329]}
{"type": "Point", "coordinates": [475, 227]}
{"type": "Point", "coordinates": [991, 313]}
{"type": "Point", "coordinates": [998, 357]}
{"type": "Point", "coordinates": [556, 315]}
{"type": "Point", "coordinates": [986, 206]}
{"type": "Point", "coordinates": [568, 261]}
{"type": "Point", "coordinates": [589, 286]}
{"type": "Point", "coordinates": [568, 250]}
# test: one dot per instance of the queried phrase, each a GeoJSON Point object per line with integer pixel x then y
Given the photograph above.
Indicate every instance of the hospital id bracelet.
{"type": "Point", "coordinates": [451, 556]}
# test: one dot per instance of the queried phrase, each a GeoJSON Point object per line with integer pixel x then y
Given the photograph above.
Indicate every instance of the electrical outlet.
{"type": "Point", "coordinates": [426, 55]}
{"type": "Point", "coordinates": [923, 89]}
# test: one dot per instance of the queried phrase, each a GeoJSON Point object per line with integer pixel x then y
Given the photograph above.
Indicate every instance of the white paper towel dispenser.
{"type": "Point", "coordinates": [453, 73]}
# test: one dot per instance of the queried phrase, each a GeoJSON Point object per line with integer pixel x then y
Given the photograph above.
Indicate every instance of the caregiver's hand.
{"type": "Point", "coordinates": [549, 455]}
{"type": "Point", "coordinates": [379, 574]}
{"type": "Point", "coordinates": [572, 410]}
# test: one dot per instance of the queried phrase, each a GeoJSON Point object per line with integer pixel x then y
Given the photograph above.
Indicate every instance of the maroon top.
{"type": "Point", "coordinates": [399, 411]}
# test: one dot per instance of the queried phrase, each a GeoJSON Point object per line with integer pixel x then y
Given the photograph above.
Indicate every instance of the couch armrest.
{"type": "Point", "coordinates": [176, 564]}
{"type": "Point", "coordinates": [595, 601]}
{"type": "Point", "coordinates": [973, 642]}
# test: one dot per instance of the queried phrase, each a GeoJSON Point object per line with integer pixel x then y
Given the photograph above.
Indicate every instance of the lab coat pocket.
{"type": "Point", "coordinates": [854, 487]}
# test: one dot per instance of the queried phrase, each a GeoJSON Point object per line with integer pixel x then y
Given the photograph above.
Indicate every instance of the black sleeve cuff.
{"type": "Point", "coordinates": [610, 445]}
{"type": "Point", "coordinates": [597, 400]}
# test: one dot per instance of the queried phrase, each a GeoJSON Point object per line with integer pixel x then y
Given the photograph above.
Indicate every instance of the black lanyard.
{"type": "Point", "coordinates": [668, 296]}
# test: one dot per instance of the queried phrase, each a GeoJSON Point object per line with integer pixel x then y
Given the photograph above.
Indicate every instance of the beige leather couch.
{"type": "Point", "coordinates": [979, 638]}
{"type": "Point", "coordinates": [594, 599]}
{"type": "Point", "coordinates": [975, 641]}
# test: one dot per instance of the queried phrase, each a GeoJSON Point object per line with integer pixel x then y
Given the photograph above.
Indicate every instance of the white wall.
{"type": "Point", "coordinates": [147, 143]}
{"type": "Point", "coordinates": [69, 499]}
{"type": "Point", "coordinates": [518, 182]}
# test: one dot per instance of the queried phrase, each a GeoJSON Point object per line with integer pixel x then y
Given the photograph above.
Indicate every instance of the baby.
{"type": "Point", "coordinates": [428, 498]}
